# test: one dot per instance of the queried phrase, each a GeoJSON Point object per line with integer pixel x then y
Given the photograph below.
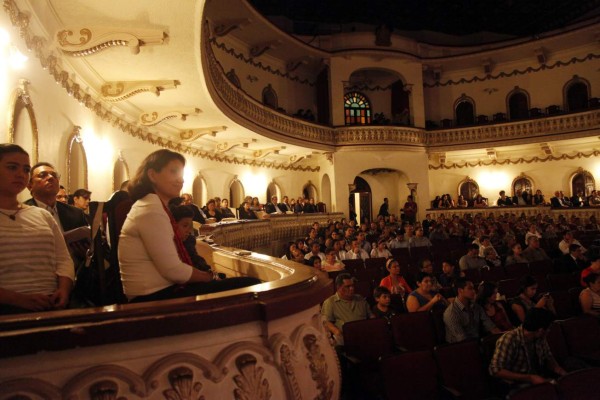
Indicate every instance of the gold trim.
{"type": "Point", "coordinates": [522, 160]}
{"type": "Point", "coordinates": [94, 39]}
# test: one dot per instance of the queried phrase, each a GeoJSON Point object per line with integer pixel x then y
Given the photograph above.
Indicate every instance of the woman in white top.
{"type": "Point", "coordinates": [36, 270]}
{"type": "Point", "coordinates": [154, 263]}
{"type": "Point", "coordinates": [381, 250]}
{"type": "Point", "coordinates": [589, 298]}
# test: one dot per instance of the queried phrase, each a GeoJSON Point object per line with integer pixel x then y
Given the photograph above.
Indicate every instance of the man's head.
{"type": "Point", "coordinates": [448, 267]}
{"type": "Point", "coordinates": [62, 195]}
{"type": "Point", "coordinates": [344, 284]}
{"type": "Point", "coordinates": [465, 290]}
{"type": "Point", "coordinates": [274, 199]}
{"type": "Point", "coordinates": [537, 321]}
{"type": "Point", "coordinates": [315, 248]}
{"type": "Point", "coordinates": [427, 266]}
{"type": "Point", "coordinates": [473, 250]}
{"type": "Point", "coordinates": [81, 198]}
{"type": "Point", "coordinates": [575, 250]}
{"type": "Point", "coordinates": [568, 236]}
{"type": "Point", "coordinates": [533, 242]}
{"type": "Point", "coordinates": [44, 182]}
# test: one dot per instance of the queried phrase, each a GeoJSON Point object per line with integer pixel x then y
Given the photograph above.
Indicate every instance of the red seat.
{"type": "Point", "coordinates": [410, 376]}
{"type": "Point", "coordinates": [516, 271]}
{"type": "Point", "coordinates": [367, 340]}
{"type": "Point", "coordinates": [494, 274]}
{"type": "Point", "coordinates": [580, 385]}
{"type": "Point", "coordinates": [413, 331]}
{"type": "Point", "coordinates": [509, 287]}
{"type": "Point", "coordinates": [581, 334]}
{"type": "Point", "coordinates": [543, 391]}
{"type": "Point", "coordinates": [468, 379]}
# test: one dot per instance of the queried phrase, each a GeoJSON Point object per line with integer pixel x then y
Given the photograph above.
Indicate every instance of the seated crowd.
{"type": "Point", "coordinates": [521, 198]}
{"type": "Point", "coordinates": [463, 292]}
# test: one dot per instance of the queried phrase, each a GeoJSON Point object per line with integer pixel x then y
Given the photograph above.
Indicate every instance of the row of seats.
{"type": "Point", "coordinates": [412, 346]}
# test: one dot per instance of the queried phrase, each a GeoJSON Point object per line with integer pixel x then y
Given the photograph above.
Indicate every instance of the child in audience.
{"type": "Point", "coordinates": [383, 308]}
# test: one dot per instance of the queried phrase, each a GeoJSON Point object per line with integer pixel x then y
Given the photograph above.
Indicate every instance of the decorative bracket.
{"type": "Point", "coordinates": [260, 48]}
{"type": "Point", "coordinates": [80, 41]}
{"type": "Point", "coordinates": [192, 134]}
{"type": "Point", "coordinates": [491, 153]}
{"type": "Point", "coordinates": [265, 152]}
{"type": "Point", "coordinates": [223, 28]}
{"type": "Point", "coordinates": [226, 146]}
{"type": "Point", "coordinates": [546, 149]}
{"type": "Point", "coordinates": [156, 117]}
{"type": "Point", "coordinates": [291, 66]}
{"type": "Point", "coordinates": [488, 65]}
{"type": "Point", "coordinates": [119, 91]}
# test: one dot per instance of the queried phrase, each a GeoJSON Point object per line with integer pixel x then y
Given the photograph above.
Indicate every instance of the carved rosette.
{"type": "Point", "coordinates": [251, 385]}
{"type": "Point", "coordinates": [318, 367]}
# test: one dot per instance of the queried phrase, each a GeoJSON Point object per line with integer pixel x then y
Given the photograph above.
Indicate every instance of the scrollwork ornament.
{"type": "Point", "coordinates": [318, 368]}
{"type": "Point", "coordinates": [63, 37]}
{"type": "Point", "coordinates": [104, 390]}
{"type": "Point", "coordinates": [182, 385]}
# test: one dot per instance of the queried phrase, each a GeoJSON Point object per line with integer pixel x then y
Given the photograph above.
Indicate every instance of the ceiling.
{"type": "Point", "coordinates": [501, 19]}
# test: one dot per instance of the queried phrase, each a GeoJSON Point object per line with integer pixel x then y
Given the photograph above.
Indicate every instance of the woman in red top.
{"type": "Point", "coordinates": [486, 297]}
{"type": "Point", "coordinates": [395, 282]}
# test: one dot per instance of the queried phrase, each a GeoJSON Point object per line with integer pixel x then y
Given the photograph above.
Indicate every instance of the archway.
{"type": "Point", "coordinates": [468, 188]}
{"type": "Point", "coordinates": [273, 190]}
{"type": "Point", "coordinates": [582, 181]}
{"type": "Point", "coordinates": [236, 193]}
{"type": "Point", "coordinates": [518, 104]}
{"type": "Point", "coordinates": [360, 201]}
{"type": "Point", "coordinates": [77, 168]}
{"type": "Point", "coordinates": [120, 173]}
{"type": "Point", "coordinates": [464, 110]}
{"type": "Point", "coordinates": [576, 93]}
{"type": "Point", "coordinates": [310, 191]}
{"type": "Point", "coordinates": [200, 191]}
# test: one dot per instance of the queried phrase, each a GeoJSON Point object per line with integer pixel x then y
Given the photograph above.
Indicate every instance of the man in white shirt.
{"type": "Point", "coordinates": [356, 252]}
{"type": "Point", "coordinates": [315, 250]}
{"type": "Point", "coordinates": [568, 240]}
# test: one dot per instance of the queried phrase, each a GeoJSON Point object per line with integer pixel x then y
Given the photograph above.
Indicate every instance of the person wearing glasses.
{"type": "Point", "coordinates": [44, 186]}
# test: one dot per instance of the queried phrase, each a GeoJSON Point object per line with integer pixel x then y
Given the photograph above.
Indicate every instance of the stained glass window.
{"type": "Point", "coordinates": [357, 109]}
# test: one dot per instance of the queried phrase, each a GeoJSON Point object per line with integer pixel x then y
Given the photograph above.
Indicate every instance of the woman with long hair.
{"type": "Point", "coordinates": [153, 260]}
{"type": "Point", "coordinates": [487, 293]}
{"type": "Point", "coordinates": [36, 270]}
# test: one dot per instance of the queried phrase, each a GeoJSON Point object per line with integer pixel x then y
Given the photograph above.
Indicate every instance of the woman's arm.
{"type": "Point", "coordinates": [585, 298]}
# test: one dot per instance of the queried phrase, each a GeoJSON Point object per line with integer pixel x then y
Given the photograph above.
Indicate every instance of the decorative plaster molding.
{"type": "Point", "coordinates": [260, 48]}
{"type": "Point", "coordinates": [262, 153]}
{"type": "Point", "coordinates": [153, 118]}
{"type": "Point", "coordinates": [79, 41]}
{"type": "Point", "coordinates": [514, 72]}
{"type": "Point", "coordinates": [75, 139]}
{"type": "Point", "coordinates": [225, 27]}
{"type": "Point", "coordinates": [226, 146]}
{"type": "Point", "coordinates": [20, 99]}
{"type": "Point", "coordinates": [522, 160]}
{"type": "Point", "coordinates": [121, 90]}
{"type": "Point", "coordinates": [251, 385]}
{"type": "Point", "coordinates": [250, 61]}
{"type": "Point", "coordinates": [318, 367]}
{"type": "Point", "coordinates": [192, 134]}
{"type": "Point", "coordinates": [74, 389]}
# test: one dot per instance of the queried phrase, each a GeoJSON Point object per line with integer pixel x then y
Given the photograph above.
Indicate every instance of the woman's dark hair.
{"type": "Point", "coordinates": [311, 260]}
{"type": "Point", "coordinates": [141, 185]}
{"type": "Point", "coordinates": [422, 275]}
{"type": "Point", "coordinates": [591, 278]}
{"type": "Point", "coordinates": [526, 282]}
{"type": "Point", "coordinates": [9, 148]}
{"type": "Point", "coordinates": [485, 291]}
{"type": "Point", "coordinates": [181, 212]}
{"type": "Point", "coordinates": [211, 201]}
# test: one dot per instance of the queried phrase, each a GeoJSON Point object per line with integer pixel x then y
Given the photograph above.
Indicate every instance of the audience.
{"type": "Point", "coordinates": [383, 307]}
{"type": "Point", "coordinates": [589, 298]}
{"type": "Point", "coordinates": [487, 295]}
{"type": "Point", "coordinates": [471, 260]}
{"type": "Point", "coordinates": [395, 282]}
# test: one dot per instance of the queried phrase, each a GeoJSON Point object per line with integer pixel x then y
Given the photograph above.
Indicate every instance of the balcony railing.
{"type": "Point", "coordinates": [248, 112]}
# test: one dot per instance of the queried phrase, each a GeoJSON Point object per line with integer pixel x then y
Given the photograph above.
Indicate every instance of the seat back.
{"type": "Point", "coordinates": [353, 265]}
{"type": "Point", "coordinates": [543, 267]}
{"type": "Point", "coordinates": [545, 391]}
{"type": "Point", "coordinates": [578, 385]}
{"type": "Point", "coordinates": [563, 281]}
{"type": "Point", "coordinates": [556, 341]}
{"type": "Point", "coordinates": [516, 271]}
{"type": "Point", "coordinates": [460, 366]}
{"type": "Point", "coordinates": [509, 287]}
{"type": "Point", "coordinates": [410, 376]}
{"type": "Point", "coordinates": [562, 304]}
{"type": "Point", "coordinates": [367, 340]}
{"type": "Point", "coordinates": [581, 334]}
{"type": "Point", "coordinates": [413, 331]}
{"type": "Point", "coordinates": [375, 263]}
{"type": "Point", "coordinates": [493, 274]}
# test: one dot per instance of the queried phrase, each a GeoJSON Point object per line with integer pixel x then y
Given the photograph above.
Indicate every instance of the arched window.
{"type": "Point", "coordinates": [269, 97]}
{"type": "Point", "coordinates": [468, 188]}
{"type": "Point", "coordinates": [273, 190]}
{"type": "Point", "coordinates": [233, 78]}
{"type": "Point", "coordinates": [582, 181]}
{"type": "Point", "coordinates": [576, 94]}
{"type": "Point", "coordinates": [199, 191]}
{"type": "Point", "coordinates": [522, 183]}
{"type": "Point", "coordinates": [464, 110]}
{"type": "Point", "coordinates": [518, 104]}
{"type": "Point", "coordinates": [357, 109]}
{"type": "Point", "coordinates": [236, 193]}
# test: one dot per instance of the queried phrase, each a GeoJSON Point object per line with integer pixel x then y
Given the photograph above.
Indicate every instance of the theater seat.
{"type": "Point", "coordinates": [580, 385]}
{"type": "Point", "coordinates": [410, 376]}
{"type": "Point", "coordinates": [582, 334]}
{"type": "Point", "coordinates": [367, 340]}
{"type": "Point", "coordinates": [543, 391]}
{"type": "Point", "coordinates": [413, 331]}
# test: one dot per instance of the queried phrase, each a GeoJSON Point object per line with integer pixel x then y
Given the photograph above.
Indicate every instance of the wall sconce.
{"type": "Point", "coordinates": [10, 52]}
